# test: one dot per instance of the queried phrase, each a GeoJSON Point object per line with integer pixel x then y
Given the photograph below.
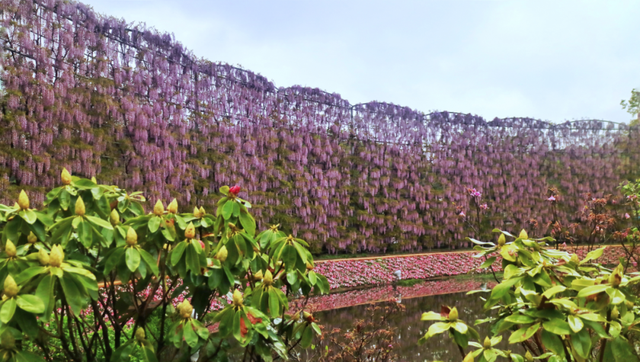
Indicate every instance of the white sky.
{"type": "Point", "coordinates": [553, 60]}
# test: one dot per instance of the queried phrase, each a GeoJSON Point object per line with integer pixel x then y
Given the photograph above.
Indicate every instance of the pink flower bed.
{"type": "Point", "coordinates": [350, 273]}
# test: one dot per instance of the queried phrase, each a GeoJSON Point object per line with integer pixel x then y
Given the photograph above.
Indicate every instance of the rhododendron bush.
{"type": "Point", "coordinates": [105, 280]}
{"type": "Point", "coordinates": [557, 306]}
{"type": "Point", "coordinates": [103, 97]}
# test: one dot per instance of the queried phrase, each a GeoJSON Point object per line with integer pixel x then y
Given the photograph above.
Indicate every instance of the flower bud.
{"type": "Point", "coordinates": [202, 212]}
{"type": "Point", "coordinates": [93, 179]}
{"type": "Point", "coordinates": [114, 217]}
{"type": "Point", "coordinates": [158, 208]}
{"type": "Point", "coordinates": [23, 200]}
{"type": "Point", "coordinates": [185, 309]}
{"type": "Point", "coordinates": [196, 213]}
{"type": "Point", "coordinates": [80, 209]}
{"type": "Point", "coordinates": [308, 317]}
{"type": "Point", "coordinates": [65, 176]}
{"type": "Point", "coordinates": [268, 278]}
{"type": "Point", "coordinates": [132, 237]}
{"type": "Point", "coordinates": [10, 287]}
{"type": "Point", "coordinates": [258, 276]}
{"type": "Point", "coordinates": [575, 259]}
{"type": "Point", "coordinates": [528, 357]}
{"type": "Point", "coordinates": [523, 234]}
{"type": "Point", "coordinates": [502, 240]}
{"type": "Point", "coordinates": [140, 335]}
{"type": "Point", "coordinates": [453, 314]}
{"type": "Point", "coordinates": [32, 238]}
{"type": "Point", "coordinates": [616, 276]}
{"type": "Point", "coordinates": [309, 266]}
{"type": "Point", "coordinates": [615, 313]}
{"type": "Point", "coordinates": [468, 357]}
{"type": "Point", "coordinates": [237, 298]}
{"type": "Point", "coordinates": [234, 190]}
{"type": "Point", "coordinates": [10, 249]}
{"type": "Point", "coordinates": [56, 256]}
{"type": "Point", "coordinates": [202, 244]}
{"type": "Point", "coordinates": [487, 343]}
{"type": "Point", "coordinates": [172, 208]}
{"type": "Point", "coordinates": [43, 257]}
{"type": "Point", "coordinates": [296, 317]}
{"type": "Point", "coordinates": [222, 254]}
{"type": "Point", "coordinates": [190, 231]}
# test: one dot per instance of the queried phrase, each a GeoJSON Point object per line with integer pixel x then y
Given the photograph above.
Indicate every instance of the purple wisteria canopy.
{"type": "Point", "coordinates": [133, 107]}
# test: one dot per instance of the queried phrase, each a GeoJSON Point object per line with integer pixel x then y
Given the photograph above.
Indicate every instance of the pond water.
{"type": "Point", "coordinates": [409, 328]}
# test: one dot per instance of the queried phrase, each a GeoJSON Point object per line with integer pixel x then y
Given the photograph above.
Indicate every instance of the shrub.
{"type": "Point", "coordinates": [95, 275]}
{"type": "Point", "coordinates": [556, 306]}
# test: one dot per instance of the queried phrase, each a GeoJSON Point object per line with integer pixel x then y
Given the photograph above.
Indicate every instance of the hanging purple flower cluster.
{"type": "Point", "coordinates": [133, 107]}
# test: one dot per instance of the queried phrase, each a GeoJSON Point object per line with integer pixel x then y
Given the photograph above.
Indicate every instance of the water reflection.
{"type": "Point", "coordinates": [410, 328]}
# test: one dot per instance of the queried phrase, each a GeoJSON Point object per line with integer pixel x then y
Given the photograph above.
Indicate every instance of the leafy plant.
{"type": "Point", "coordinates": [91, 270]}
{"type": "Point", "coordinates": [554, 305]}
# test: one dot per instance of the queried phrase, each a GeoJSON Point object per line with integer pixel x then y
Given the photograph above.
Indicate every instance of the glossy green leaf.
{"type": "Point", "coordinates": [7, 310]}
{"type": "Point", "coordinates": [30, 303]}
{"type": "Point", "coordinates": [524, 333]}
{"type": "Point", "coordinates": [132, 258]}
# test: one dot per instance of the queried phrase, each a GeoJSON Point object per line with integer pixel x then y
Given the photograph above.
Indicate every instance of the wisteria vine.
{"type": "Point", "coordinates": [133, 107]}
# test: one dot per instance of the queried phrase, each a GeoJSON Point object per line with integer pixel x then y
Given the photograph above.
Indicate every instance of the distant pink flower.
{"type": "Point", "coordinates": [551, 198]}
{"type": "Point", "coordinates": [626, 216]}
{"type": "Point", "coordinates": [484, 206]}
{"type": "Point", "coordinates": [462, 214]}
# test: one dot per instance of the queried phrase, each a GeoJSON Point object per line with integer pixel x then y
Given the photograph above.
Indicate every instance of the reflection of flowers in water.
{"type": "Point", "coordinates": [385, 293]}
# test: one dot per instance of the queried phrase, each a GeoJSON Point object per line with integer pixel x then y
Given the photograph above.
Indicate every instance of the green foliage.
{"type": "Point", "coordinates": [92, 277]}
{"type": "Point", "coordinates": [633, 105]}
{"type": "Point", "coordinates": [556, 306]}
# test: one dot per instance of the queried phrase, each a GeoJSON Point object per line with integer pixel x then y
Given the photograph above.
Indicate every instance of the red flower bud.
{"type": "Point", "coordinates": [234, 190]}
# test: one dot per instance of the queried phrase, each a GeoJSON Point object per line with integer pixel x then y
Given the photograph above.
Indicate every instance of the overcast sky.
{"type": "Point", "coordinates": [553, 60]}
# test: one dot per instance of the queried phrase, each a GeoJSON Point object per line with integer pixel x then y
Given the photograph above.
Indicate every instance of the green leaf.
{"type": "Point", "coordinates": [307, 337]}
{"type": "Point", "coordinates": [552, 342]}
{"type": "Point", "coordinates": [150, 261]}
{"type": "Point", "coordinates": [487, 263]}
{"type": "Point", "coordinates": [114, 259]}
{"type": "Point", "coordinates": [274, 303]}
{"type": "Point", "coordinates": [438, 328]}
{"type": "Point", "coordinates": [594, 289]}
{"type": "Point", "coordinates": [154, 224]}
{"type": "Point", "coordinates": [99, 222]}
{"type": "Point", "coordinates": [616, 296]}
{"type": "Point", "coordinates": [29, 216]}
{"type": "Point", "coordinates": [45, 293]}
{"type": "Point", "coordinates": [227, 209]}
{"type": "Point", "coordinates": [8, 310]}
{"type": "Point", "coordinates": [575, 323]}
{"type": "Point", "coordinates": [557, 326]}
{"type": "Point", "coordinates": [581, 342]}
{"type": "Point", "coordinates": [30, 303]}
{"type": "Point", "coordinates": [248, 223]}
{"type": "Point", "coordinates": [431, 316]}
{"type": "Point", "coordinates": [460, 327]}
{"type": "Point", "coordinates": [190, 335]}
{"type": "Point", "coordinates": [519, 319]}
{"type": "Point", "coordinates": [72, 295]}
{"type": "Point", "coordinates": [176, 253]}
{"type": "Point", "coordinates": [132, 258]}
{"type": "Point", "coordinates": [623, 351]}
{"type": "Point", "coordinates": [592, 255]}
{"type": "Point", "coordinates": [523, 333]}
{"type": "Point", "coordinates": [553, 291]}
